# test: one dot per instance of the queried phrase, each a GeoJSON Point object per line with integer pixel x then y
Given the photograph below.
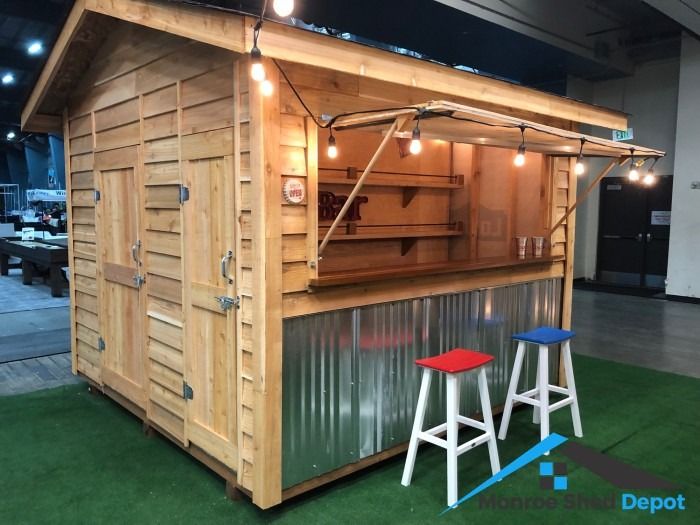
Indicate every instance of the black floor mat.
{"type": "Point", "coordinates": [37, 344]}
{"type": "Point", "coordinates": [596, 286]}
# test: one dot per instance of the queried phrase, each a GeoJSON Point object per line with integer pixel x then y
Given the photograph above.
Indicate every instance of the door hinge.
{"type": "Point", "coordinates": [97, 195]}
{"type": "Point", "coordinates": [184, 194]}
{"type": "Point", "coordinates": [226, 303]}
{"type": "Point", "coordinates": [139, 280]}
{"type": "Point", "coordinates": [100, 344]}
{"type": "Point", "coordinates": [187, 391]}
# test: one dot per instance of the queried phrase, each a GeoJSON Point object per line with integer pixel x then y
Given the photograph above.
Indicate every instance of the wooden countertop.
{"type": "Point", "coordinates": [415, 270]}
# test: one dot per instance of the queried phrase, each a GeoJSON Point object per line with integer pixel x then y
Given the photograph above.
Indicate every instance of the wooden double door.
{"type": "Point", "coordinates": [209, 298]}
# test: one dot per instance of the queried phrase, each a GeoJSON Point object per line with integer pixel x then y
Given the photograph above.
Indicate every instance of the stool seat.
{"type": "Point", "coordinates": [544, 335]}
{"type": "Point", "coordinates": [455, 361]}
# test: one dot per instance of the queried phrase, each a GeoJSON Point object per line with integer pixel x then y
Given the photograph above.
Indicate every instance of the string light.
{"type": "Point", "coordinates": [332, 148]}
{"type": "Point", "coordinates": [416, 147]}
{"type": "Point", "coordinates": [580, 167]}
{"type": "Point", "coordinates": [520, 156]}
{"type": "Point", "coordinates": [633, 174]}
{"type": "Point", "coordinates": [283, 7]}
{"type": "Point", "coordinates": [650, 178]}
{"type": "Point", "coordinates": [257, 70]}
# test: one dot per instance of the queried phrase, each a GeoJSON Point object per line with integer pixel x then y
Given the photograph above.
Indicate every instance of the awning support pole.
{"type": "Point", "coordinates": [582, 197]}
{"type": "Point", "coordinates": [398, 123]}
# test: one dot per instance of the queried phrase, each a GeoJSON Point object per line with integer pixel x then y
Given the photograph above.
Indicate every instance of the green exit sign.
{"type": "Point", "coordinates": [623, 134]}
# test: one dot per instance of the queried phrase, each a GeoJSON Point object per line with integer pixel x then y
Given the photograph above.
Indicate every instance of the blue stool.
{"type": "Point", "coordinates": [538, 397]}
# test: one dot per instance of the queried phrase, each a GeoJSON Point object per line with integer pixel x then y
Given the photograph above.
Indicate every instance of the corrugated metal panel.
{"type": "Point", "coordinates": [350, 385]}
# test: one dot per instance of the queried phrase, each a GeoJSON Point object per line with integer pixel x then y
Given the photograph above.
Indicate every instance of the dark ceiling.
{"type": "Point", "coordinates": [425, 26]}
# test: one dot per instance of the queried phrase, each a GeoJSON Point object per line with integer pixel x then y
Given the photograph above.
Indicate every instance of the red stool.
{"type": "Point", "coordinates": [452, 363]}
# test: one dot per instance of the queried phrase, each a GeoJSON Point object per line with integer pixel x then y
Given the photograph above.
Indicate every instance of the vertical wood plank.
{"type": "Point", "coordinates": [267, 292]}
{"type": "Point", "coordinates": [568, 285]}
{"type": "Point", "coordinates": [69, 211]}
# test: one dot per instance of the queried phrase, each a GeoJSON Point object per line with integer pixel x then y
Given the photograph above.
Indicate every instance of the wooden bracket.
{"type": "Point", "coordinates": [409, 193]}
{"type": "Point", "coordinates": [352, 173]}
{"type": "Point", "coordinates": [611, 165]}
{"type": "Point", "coordinates": [351, 228]}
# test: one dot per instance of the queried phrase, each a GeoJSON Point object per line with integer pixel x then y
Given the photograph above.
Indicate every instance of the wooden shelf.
{"type": "Point", "coordinates": [399, 180]}
{"type": "Point", "coordinates": [417, 270]}
{"type": "Point", "coordinates": [438, 232]}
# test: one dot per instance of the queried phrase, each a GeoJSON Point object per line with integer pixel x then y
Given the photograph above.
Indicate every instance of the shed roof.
{"type": "Point", "coordinates": [235, 32]}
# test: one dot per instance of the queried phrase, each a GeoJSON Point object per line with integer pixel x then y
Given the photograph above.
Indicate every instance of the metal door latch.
{"type": "Point", "coordinates": [226, 303]}
{"type": "Point", "coordinates": [139, 280]}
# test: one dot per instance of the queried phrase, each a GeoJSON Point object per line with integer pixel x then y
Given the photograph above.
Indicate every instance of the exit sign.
{"type": "Point", "coordinates": [622, 134]}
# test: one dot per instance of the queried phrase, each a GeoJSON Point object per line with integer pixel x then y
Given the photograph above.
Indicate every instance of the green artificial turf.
{"type": "Point", "coordinates": [69, 457]}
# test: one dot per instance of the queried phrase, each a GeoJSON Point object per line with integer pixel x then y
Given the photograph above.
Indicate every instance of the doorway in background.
{"type": "Point", "coordinates": [633, 232]}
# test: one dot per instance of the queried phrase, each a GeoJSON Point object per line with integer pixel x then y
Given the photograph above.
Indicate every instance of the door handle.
{"type": "Point", "coordinates": [224, 266]}
{"type": "Point", "coordinates": [649, 237]}
{"type": "Point", "coordinates": [135, 252]}
{"type": "Point", "coordinates": [639, 237]}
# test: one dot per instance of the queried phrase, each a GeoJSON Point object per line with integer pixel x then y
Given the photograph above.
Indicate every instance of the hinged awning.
{"type": "Point", "coordinates": [459, 123]}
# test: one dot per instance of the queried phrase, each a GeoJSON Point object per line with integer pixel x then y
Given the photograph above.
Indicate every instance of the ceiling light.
{"type": "Point", "coordinates": [35, 48]}
{"type": "Point", "coordinates": [283, 7]}
{"type": "Point", "coordinates": [8, 78]}
{"type": "Point", "coordinates": [633, 174]}
{"type": "Point", "coordinates": [11, 135]}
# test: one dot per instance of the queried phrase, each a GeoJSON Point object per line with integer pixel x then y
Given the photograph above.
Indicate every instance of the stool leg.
{"type": "Point", "coordinates": [512, 388]}
{"type": "Point", "coordinates": [417, 427]}
{"type": "Point", "coordinates": [488, 421]}
{"type": "Point", "coordinates": [543, 375]}
{"type": "Point", "coordinates": [452, 429]}
{"type": "Point", "coordinates": [535, 408]}
{"type": "Point", "coordinates": [571, 387]}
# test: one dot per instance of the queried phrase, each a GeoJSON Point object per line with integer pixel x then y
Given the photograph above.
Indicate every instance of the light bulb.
{"type": "Point", "coordinates": [11, 135]}
{"type": "Point", "coordinates": [580, 167]}
{"type": "Point", "coordinates": [332, 148]}
{"type": "Point", "coordinates": [519, 159]}
{"type": "Point", "coordinates": [649, 179]}
{"type": "Point", "coordinates": [633, 174]}
{"type": "Point", "coordinates": [283, 7]}
{"type": "Point", "coordinates": [416, 147]}
{"type": "Point", "coordinates": [266, 88]}
{"type": "Point", "coordinates": [257, 70]}
{"type": "Point", "coordinates": [8, 78]}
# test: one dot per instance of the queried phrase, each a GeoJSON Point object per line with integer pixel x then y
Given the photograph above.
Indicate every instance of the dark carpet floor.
{"type": "Point", "coordinates": [69, 457]}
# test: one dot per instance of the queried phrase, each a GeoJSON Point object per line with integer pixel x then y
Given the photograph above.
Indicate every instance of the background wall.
{"type": "Point", "coordinates": [650, 97]}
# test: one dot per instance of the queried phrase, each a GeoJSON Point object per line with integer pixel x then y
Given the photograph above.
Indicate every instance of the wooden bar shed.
{"type": "Point", "coordinates": [198, 207]}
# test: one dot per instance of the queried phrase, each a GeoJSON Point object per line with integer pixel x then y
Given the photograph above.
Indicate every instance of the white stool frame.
{"type": "Point", "coordinates": [452, 428]}
{"type": "Point", "coordinates": [538, 397]}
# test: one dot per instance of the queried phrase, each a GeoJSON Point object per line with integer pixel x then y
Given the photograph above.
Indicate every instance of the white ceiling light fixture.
{"type": "Point", "coordinates": [34, 48]}
{"type": "Point", "coordinates": [11, 135]}
{"type": "Point", "coordinates": [8, 78]}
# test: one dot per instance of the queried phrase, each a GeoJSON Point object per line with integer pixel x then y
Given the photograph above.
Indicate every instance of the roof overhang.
{"type": "Point", "coordinates": [453, 122]}
{"type": "Point", "coordinates": [235, 32]}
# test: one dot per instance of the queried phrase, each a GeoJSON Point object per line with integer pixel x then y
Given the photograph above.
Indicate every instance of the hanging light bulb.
{"type": "Point", "coordinates": [650, 178]}
{"type": "Point", "coordinates": [267, 88]}
{"type": "Point", "coordinates": [283, 7]}
{"type": "Point", "coordinates": [519, 159]}
{"type": "Point", "coordinates": [332, 148]}
{"type": "Point", "coordinates": [257, 70]}
{"type": "Point", "coordinates": [633, 174]}
{"type": "Point", "coordinates": [580, 167]}
{"type": "Point", "coordinates": [416, 147]}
